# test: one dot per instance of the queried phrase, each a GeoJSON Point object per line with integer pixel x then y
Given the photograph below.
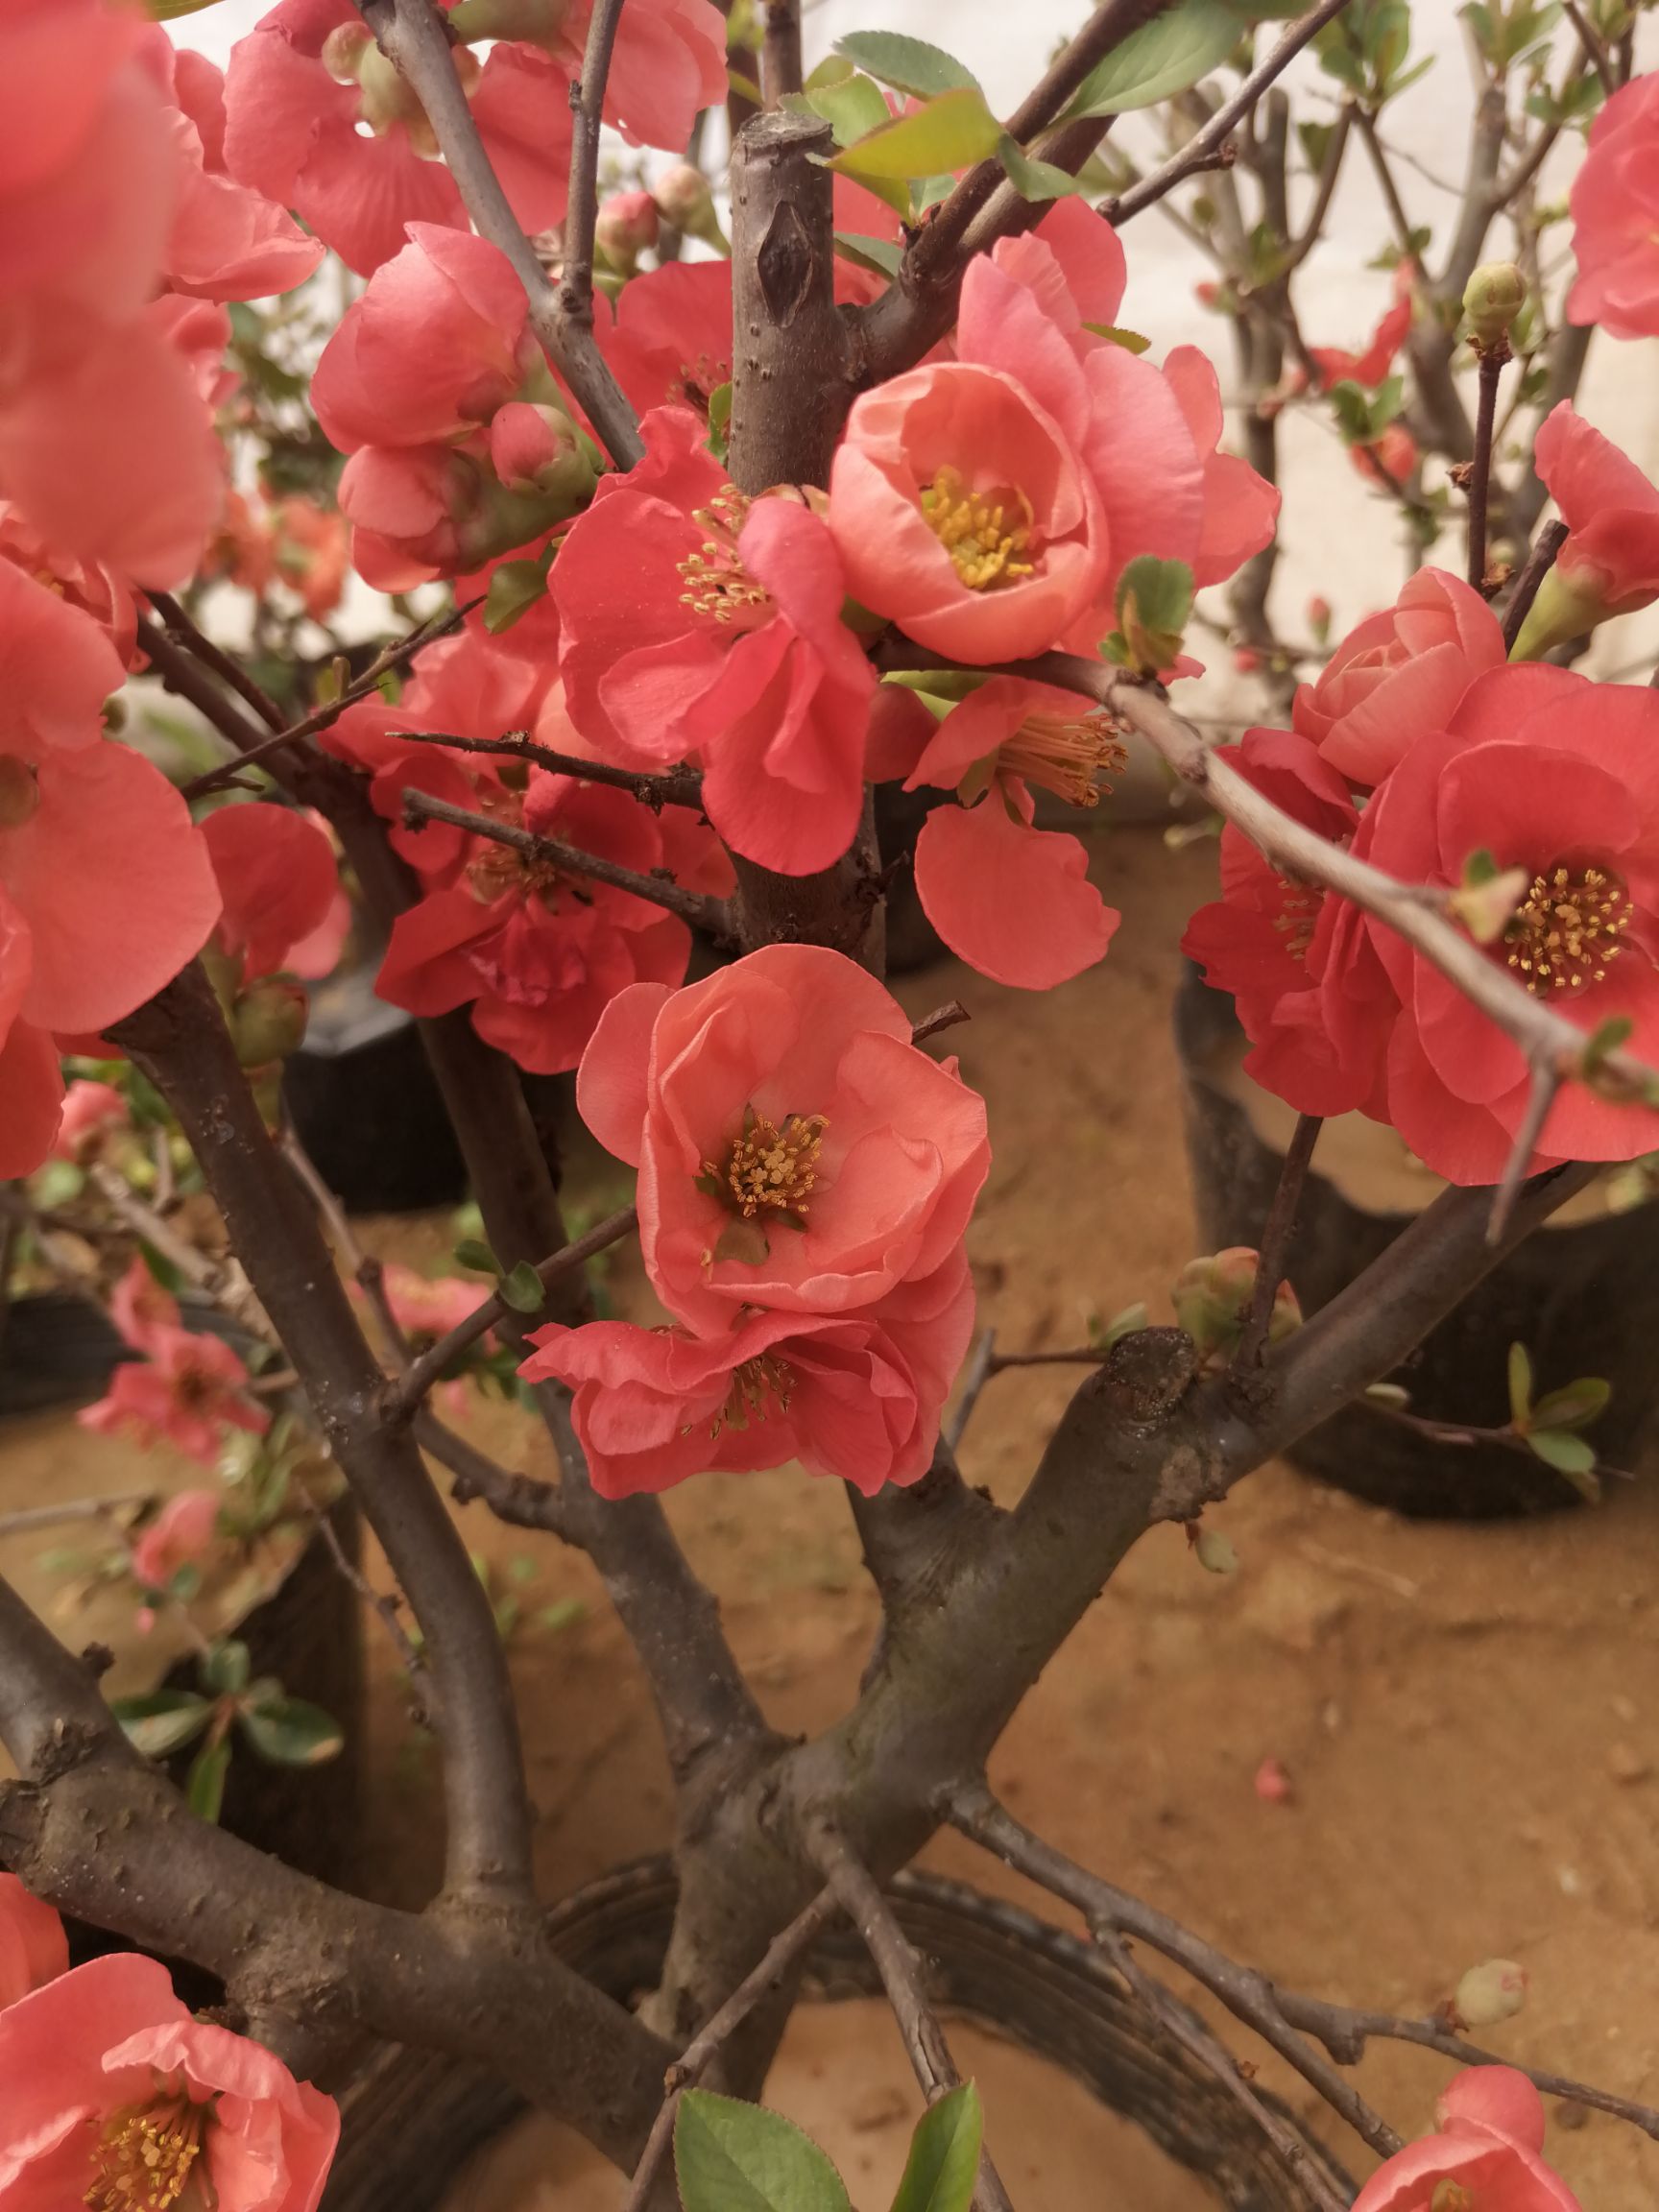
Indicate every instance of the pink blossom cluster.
{"type": "Point", "coordinates": [186, 1389]}
{"type": "Point", "coordinates": [116, 2095]}
{"type": "Point", "coordinates": [806, 1175]}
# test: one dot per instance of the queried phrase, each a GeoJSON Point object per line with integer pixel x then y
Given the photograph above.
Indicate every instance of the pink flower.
{"type": "Point", "coordinates": [310, 73]}
{"type": "Point", "coordinates": [668, 341]}
{"type": "Point", "coordinates": [1486, 2156]}
{"type": "Point", "coordinates": [309, 550]}
{"type": "Point", "coordinates": [1615, 204]}
{"type": "Point", "coordinates": [538, 951]}
{"type": "Point", "coordinates": [182, 1534]}
{"type": "Point", "coordinates": [56, 668]}
{"type": "Point", "coordinates": [34, 1949]}
{"type": "Point", "coordinates": [669, 63]}
{"type": "Point", "coordinates": [437, 341]}
{"type": "Point", "coordinates": [114, 2095]}
{"type": "Point", "coordinates": [1372, 366]}
{"type": "Point", "coordinates": [1610, 562]}
{"type": "Point", "coordinates": [699, 624]}
{"type": "Point", "coordinates": [795, 1149]}
{"type": "Point", "coordinates": [86, 587]}
{"type": "Point", "coordinates": [1388, 460]}
{"type": "Point", "coordinates": [855, 1395]}
{"type": "Point", "coordinates": [1013, 900]}
{"type": "Point", "coordinates": [1399, 673]}
{"type": "Point", "coordinates": [141, 1310]}
{"type": "Point", "coordinates": [185, 1387]}
{"type": "Point", "coordinates": [225, 242]}
{"type": "Point", "coordinates": [277, 878]}
{"type": "Point", "coordinates": [91, 1111]}
{"type": "Point", "coordinates": [425, 1306]}
{"type": "Point", "coordinates": [102, 440]}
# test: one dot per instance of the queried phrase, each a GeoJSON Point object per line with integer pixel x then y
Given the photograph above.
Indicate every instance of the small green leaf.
{"type": "Point", "coordinates": [853, 108]}
{"type": "Point", "coordinates": [1215, 1552]}
{"type": "Point", "coordinates": [720, 418]}
{"type": "Point", "coordinates": [1122, 1324]}
{"type": "Point", "coordinates": [224, 1670]}
{"type": "Point", "coordinates": [473, 1254]}
{"type": "Point", "coordinates": [881, 254]}
{"type": "Point", "coordinates": [908, 65]}
{"type": "Point", "coordinates": [1520, 1385]}
{"type": "Point", "coordinates": [1569, 1454]}
{"type": "Point", "coordinates": [730, 2156]}
{"type": "Point", "coordinates": [204, 1784]}
{"type": "Point", "coordinates": [745, 87]}
{"type": "Point", "coordinates": [943, 2162]}
{"type": "Point", "coordinates": [290, 1732]}
{"type": "Point", "coordinates": [163, 1721]}
{"type": "Point", "coordinates": [1163, 57]}
{"type": "Point", "coordinates": [1574, 1405]}
{"type": "Point", "coordinates": [949, 132]}
{"type": "Point", "coordinates": [514, 588]}
{"type": "Point", "coordinates": [523, 1289]}
{"type": "Point", "coordinates": [1033, 180]}
{"type": "Point", "coordinates": [1131, 341]}
{"type": "Point", "coordinates": [833, 69]}
{"type": "Point", "coordinates": [1154, 603]}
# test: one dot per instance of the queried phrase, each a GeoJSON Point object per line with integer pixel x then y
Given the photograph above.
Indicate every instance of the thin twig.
{"type": "Point", "coordinates": [697, 907]}
{"type": "Point", "coordinates": [1538, 563]}
{"type": "Point", "coordinates": [942, 1018]}
{"type": "Point", "coordinates": [224, 1282]}
{"type": "Point", "coordinates": [412, 37]}
{"type": "Point", "coordinates": [1082, 1356]}
{"type": "Point", "coordinates": [860, 1896]}
{"type": "Point", "coordinates": [975, 1375]}
{"type": "Point", "coordinates": [367, 1272]}
{"type": "Point", "coordinates": [1329, 171]}
{"type": "Point", "coordinates": [522, 1501]}
{"type": "Point", "coordinates": [1545, 1082]}
{"type": "Point", "coordinates": [668, 787]}
{"type": "Point", "coordinates": [587, 110]}
{"type": "Point", "coordinates": [1395, 206]}
{"type": "Point", "coordinates": [1275, 1246]}
{"type": "Point", "coordinates": [1492, 360]}
{"type": "Point", "coordinates": [781, 1956]}
{"type": "Point", "coordinates": [32, 1517]}
{"type": "Point", "coordinates": [1592, 45]}
{"type": "Point", "coordinates": [1205, 150]}
{"type": "Point", "coordinates": [414, 1666]}
{"type": "Point", "coordinates": [419, 1376]}
{"type": "Point", "coordinates": [781, 65]}
{"type": "Point", "coordinates": [184, 631]}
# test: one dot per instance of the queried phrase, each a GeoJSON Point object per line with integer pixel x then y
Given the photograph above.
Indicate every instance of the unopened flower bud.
{"type": "Point", "coordinates": [1492, 299]}
{"type": "Point", "coordinates": [626, 227]}
{"type": "Point", "coordinates": [344, 48]}
{"type": "Point", "coordinates": [267, 1021]}
{"type": "Point", "coordinates": [685, 201]}
{"type": "Point", "coordinates": [538, 450]}
{"type": "Point", "coordinates": [1319, 618]}
{"type": "Point", "coordinates": [1494, 1991]}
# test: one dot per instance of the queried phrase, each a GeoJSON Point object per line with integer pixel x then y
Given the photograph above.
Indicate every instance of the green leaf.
{"type": "Point", "coordinates": [730, 2156]}
{"type": "Point", "coordinates": [745, 87]}
{"type": "Point", "coordinates": [833, 69]}
{"type": "Point", "coordinates": [1574, 1405]}
{"type": "Point", "coordinates": [853, 108]}
{"type": "Point", "coordinates": [514, 588]}
{"type": "Point", "coordinates": [1520, 1385]}
{"type": "Point", "coordinates": [1163, 57]}
{"type": "Point", "coordinates": [1131, 341]}
{"type": "Point", "coordinates": [881, 254]}
{"type": "Point", "coordinates": [720, 418]}
{"type": "Point", "coordinates": [1162, 591]}
{"type": "Point", "coordinates": [290, 1732]}
{"type": "Point", "coordinates": [164, 11]}
{"type": "Point", "coordinates": [472, 1253]}
{"type": "Point", "coordinates": [1033, 180]}
{"type": "Point", "coordinates": [908, 65]}
{"type": "Point", "coordinates": [224, 1670]}
{"type": "Point", "coordinates": [949, 132]}
{"type": "Point", "coordinates": [523, 1289]}
{"type": "Point", "coordinates": [163, 1721]}
{"type": "Point", "coordinates": [204, 1784]}
{"type": "Point", "coordinates": [1567, 1454]}
{"type": "Point", "coordinates": [944, 2161]}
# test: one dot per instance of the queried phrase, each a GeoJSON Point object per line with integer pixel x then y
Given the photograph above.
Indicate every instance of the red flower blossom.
{"type": "Point", "coordinates": [1014, 901]}
{"type": "Point", "coordinates": [1371, 367]}
{"type": "Point", "coordinates": [699, 624]}
{"type": "Point", "coordinates": [856, 1395]}
{"type": "Point", "coordinates": [1397, 673]}
{"type": "Point", "coordinates": [115, 2095]}
{"type": "Point", "coordinates": [184, 1388]}
{"type": "Point", "coordinates": [182, 1534]}
{"type": "Point", "coordinates": [34, 1949]}
{"type": "Point", "coordinates": [1615, 204]}
{"type": "Point", "coordinates": [91, 1111]}
{"type": "Point", "coordinates": [283, 904]}
{"type": "Point", "coordinates": [795, 1149]}
{"type": "Point", "coordinates": [1486, 2155]}
{"type": "Point", "coordinates": [1610, 562]}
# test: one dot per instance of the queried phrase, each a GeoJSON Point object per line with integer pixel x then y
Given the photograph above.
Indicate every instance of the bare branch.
{"type": "Point", "coordinates": [974, 1377]}
{"type": "Point", "coordinates": [697, 907]}
{"type": "Point", "coordinates": [1492, 360]}
{"type": "Point", "coordinates": [1205, 149]}
{"type": "Point", "coordinates": [1275, 1246]}
{"type": "Point", "coordinates": [29, 1518]}
{"type": "Point", "coordinates": [672, 787]}
{"type": "Point", "coordinates": [782, 1955]}
{"type": "Point", "coordinates": [412, 38]}
{"type": "Point", "coordinates": [184, 632]}
{"type": "Point", "coordinates": [780, 66]}
{"type": "Point", "coordinates": [586, 111]}
{"type": "Point", "coordinates": [522, 1501]}
{"type": "Point", "coordinates": [1525, 589]}
{"type": "Point", "coordinates": [1546, 1082]}
{"type": "Point", "coordinates": [421, 1372]}
{"type": "Point", "coordinates": [855, 1890]}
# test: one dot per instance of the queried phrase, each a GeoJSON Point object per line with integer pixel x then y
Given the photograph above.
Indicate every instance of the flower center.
{"type": "Point", "coordinates": [493, 870]}
{"type": "Point", "coordinates": [769, 1170]}
{"type": "Point", "coordinates": [716, 581]}
{"type": "Point", "coordinates": [145, 2156]}
{"type": "Point", "coordinates": [1298, 916]}
{"type": "Point", "coordinates": [1566, 931]}
{"type": "Point", "coordinates": [1067, 756]}
{"type": "Point", "coordinates": [985, 533]}
{"type": "Point", "coordinates": [1451, 2196]}
{"type": "Point", "coordinates": [760, 1388]}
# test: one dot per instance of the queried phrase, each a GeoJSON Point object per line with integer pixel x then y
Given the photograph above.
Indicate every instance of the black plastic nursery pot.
{"type": "Point", "coordinates": [1582, 1294]}
{"type": "Point", "coordinates": [412, 2120]}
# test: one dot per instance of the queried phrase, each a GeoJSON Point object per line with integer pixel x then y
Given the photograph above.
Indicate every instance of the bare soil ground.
{"type": "Point", "coordinates": [1469, 1715]}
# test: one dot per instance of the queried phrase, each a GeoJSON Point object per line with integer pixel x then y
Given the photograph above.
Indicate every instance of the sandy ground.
{"type": "Point", "coordinates": [1468, 1714]}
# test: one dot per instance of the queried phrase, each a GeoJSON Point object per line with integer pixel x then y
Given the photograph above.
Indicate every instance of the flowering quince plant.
{"type": "Point", "coordinates": [615, 501]}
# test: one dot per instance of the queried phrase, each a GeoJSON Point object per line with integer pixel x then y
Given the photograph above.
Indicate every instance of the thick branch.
{"type": "Point", "coordinates": [412, 38]}
{"type": "Point", "coordinates": [179, 1041]}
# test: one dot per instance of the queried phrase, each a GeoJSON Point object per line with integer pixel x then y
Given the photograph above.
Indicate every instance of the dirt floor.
{"type": "Point", "coordinates": [1468, 1715]}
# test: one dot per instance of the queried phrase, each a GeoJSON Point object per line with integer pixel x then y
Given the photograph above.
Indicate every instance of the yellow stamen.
{"type": "Point", "coordinates": [145, 2156]}
{"type": "Point", "coordinates": [987, 534]}
{"type": "Point", "coordinates": [770, 1170]}
{"type": "Point", "coordinates": [1298, 916]}
{"type": "Point", "coordinates": [1565, 933]}
{"type": "Point", "coordinates": [760, 1388]}
{"type": "Point", "coordinates": [1070, 756]}
{"type": "Point", "coordinates": [717, 582]}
